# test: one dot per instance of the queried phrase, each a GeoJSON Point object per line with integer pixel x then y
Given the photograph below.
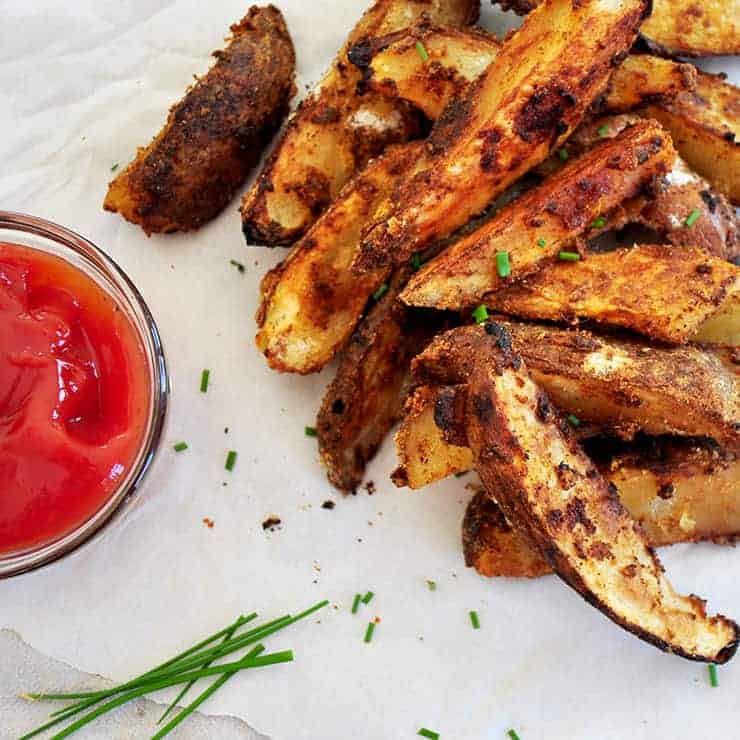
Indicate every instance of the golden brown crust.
{"type": "Point", "coordinates": [366, 396]}
{"type": "Point", "coordinates": [547, 487]}
{"type": "Point", "coordinates": [545, 78]}
{"type": "Point", "coordinates": [337, 129]}
{"type": "Point", "coordinates": [215, 134]}
{"type": "Point", "coordinates": [705, 127]}
{"type": "Point", "coordinates": [663, 485]}
{"type": "Point", "coordinates": [681, 27]}
{"type": "Point", "coordinates": [544, 221]}
{"type": "Point", "coordinates": [662, 292]}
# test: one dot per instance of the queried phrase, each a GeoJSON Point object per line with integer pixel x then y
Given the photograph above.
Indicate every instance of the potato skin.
{"type": "Point", "coordinates": [215, 134]}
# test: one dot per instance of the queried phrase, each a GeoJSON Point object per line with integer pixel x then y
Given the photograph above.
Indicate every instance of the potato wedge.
{"type": "Point", "coordinates": [366, 396]}
{"type": "Point", "coordinates": [543, 81]}
{"type": "Point", "coordinates": [336, 130]}
{"type": "Point", "coordinates": [311, 302]}
{"type": "Point", "coordinates": [664, 488]}
{"type": "Point", "coordinates": [545, 221]}
{"type": "Point", "coordinates": [395, 66]}
{"type": "Point", "coordinates": [705, 127]}
{"type": "Point", "coordinates": [549, 489]}
{"type": "Point", "coordinates": [681, 27]}
{"type": "Point", "coordinates": [662, 292]}
{"type": "Point", "coordinates": [215, 134]}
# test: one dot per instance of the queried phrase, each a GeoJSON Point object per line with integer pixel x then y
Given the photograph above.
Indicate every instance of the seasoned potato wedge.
{"type": "Point", "coordinates": [429, 66]}
{"type": "Point", "coordinates": [681, 27]}
{"type": "Point", "coordinates": [545, 78]}
{"type": "Point", "coordinates": [215, 134]}
{"type": "Point", "coordinates": [337, 129]}
{"type": "Point", "coordinates": [548, 488]}
{"type": "Point", "coordinates": [311, 302]}
{"type": "Point", "coordinates": [366, 396]}
{"type": "Point", "coordinates": [664, 486]}
{"type": "Point", "coordinates": [705, 127]}
{"type": "Point", "coordinates": [662, 292]}
{"type": "Point", "coordinates": [544, 221]}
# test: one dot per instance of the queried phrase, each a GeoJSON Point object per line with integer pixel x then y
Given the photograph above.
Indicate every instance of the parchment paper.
{"type": "Point", "coordinates": [84, 83]}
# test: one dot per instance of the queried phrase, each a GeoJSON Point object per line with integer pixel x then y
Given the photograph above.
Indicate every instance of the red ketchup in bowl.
{"type": "Point", "coordinates": [74, 394]}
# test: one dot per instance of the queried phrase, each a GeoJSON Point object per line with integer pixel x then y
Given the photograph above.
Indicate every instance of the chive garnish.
{"type": "Point", "coordinates": [541, 242]}
{"type": "Point", "coordinates": [239, 266]}
{"type": "Point", "coordinates": [569, 256]}
{"type": "Point", "coordinates": [474, 620]}
{"type": "Point", "coordinates": [513, 735]}
{"type": "Point", "coordinates": [356, 603]}
{"type": "Point", "coordinates": [205, 377]}
{"type": "Point", "coordinates": [310, 432]}
{"type": "Point", "coordinates": [502, 264]}
{"type": "Point", "coordinates": [480, 314]}
{"type": "Point", "coordinates": [563, 154]}
{"type": "Point", "coordinates": [380, 292]}
{"type": "Point", "coordinates": [431, 734]}
{"type": "Point", "coordinates": [369, 631]}
{"type": "Point", "coordinates": [422, 51]}
{"type": "Point", "coordinates": [432, 585]}
{"type": "Point", "coordinates": [713, 678]}
{"type": "Point", "coordinates": [604, 130]}
{"type": "Point", "coordinates": [368, 597]}
{"type": "Point", "coordinates": [692, 218]}
{"type": "Point", "coordinates": [114, 167]}
{"type": "Point", "coordinates": [180, 447]}
{"type": "Point", "coordinates": [599, 223]}
{"type": "Point", "coordinates": [573, 420]}
{"type": "Point", "coordinates": [231, 460]}
{"type": "Point", "coordinates": [415, 261]}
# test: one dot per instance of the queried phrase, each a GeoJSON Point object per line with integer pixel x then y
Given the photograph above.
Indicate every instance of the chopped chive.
{"type": "Point", "coordinates": [480, 314]}
{"type": "Point", "coordinates": [114, 167]}
{"type": "Point", "coordinates": [431, 734]}
{"type": "Point", "coordinates": [541, 243]}
{"type": "Point", "coordinates": [422, 51]}
{"type": "Point", "coordinates": [502, 264]}
{"type": "Point", "coordinates": [513, 735]}
{"type": "Point", "coordinates": [599, 223]}
{"type": "Point", "coordinates": [356, 603]}
{"type": "Point", "coordinates": [230, 460]}
{"type": "Point", "coordinates": [569, 256]}
{"type": "Point", "coordinates": [368, 597]}
{"type": "Point", "coordinates": [692, 218]}
{"type": "Point", "coordinates": [604, 130]}
{"type": "Point", "coordinates": [380, 292]}
{"type": "Point", "coordinates": [369, 631]}
{"type": "Point", "coordinates": [432, 585]}
{"type": "Point", "coordinates": [239, 266]}
{"type": "Point", "coordinates": [573, 420]}
{"type": "Point", "coordinates": [563, 154]}
{"type": "Point", "coordinates": [474, 620]}
{"type": "Point", "coordinates": [713, 678]}
{"type": "Point", "coordinates": [310, 432]}
{"type": "Point", "coordinates": [415, 261]}
{"type": "Point", "coordinates": [180, 447]}
{"type": "Point", "coordinates": [205, 376]}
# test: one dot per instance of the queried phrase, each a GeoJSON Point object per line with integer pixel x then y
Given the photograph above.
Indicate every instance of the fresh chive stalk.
{"type": "Point", "coordinates": [541, 242]}
{"type": "Point", "coordinates": [503, 265]}
{"type": "Point", "coordinates": [569, 256]}
{"type": "Point", "coordinates": [422, 51]}
{"type": "Point", "coordinates": [480, 314]}
{"type": "Point", "coordinates": [180, 447]}
{"type": "Point", "coordinates": [599, 223]}
{"type": "Point", "coordinates": [513, 735]}
{"type": "Point", "coordinates": [573, 420]}
{"type": "Point", "coordinates": [563, 154]}
{"type": "Point", "coordinates": [713, 678]}
{"type": "Point", "coordinates": [205, 377]}
{"type": "Point", "coordinates": [693, 217]}
{"type": "Point", "coordinates": [368, 597]}
{"type": "Point", "coordinates": [431, 734]}
{"type": "Point", "coordinates": [415, 260]}
{"type": "Point", "coordinates": [239, 266]}
{"type": "Point", "coordinates": [380, 292]}
{"type": "Point", "coordinates": [475, 620]}
{"type": "Point", "coordinates": [604, 130]}
{"type": "Point", "coordinates": [432, 585]}
{"type": "Point", "coordinates": [356, 603]}
{"type": "Point", "coordinates": [310, 431]}
{"type": "Point", "coordinates": [231, 460]}
{"type": "Point", "coordinates": [369, 631]}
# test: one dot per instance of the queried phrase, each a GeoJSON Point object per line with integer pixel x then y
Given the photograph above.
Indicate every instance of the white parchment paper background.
{"type": "Point", "coordinates": [83, 84]}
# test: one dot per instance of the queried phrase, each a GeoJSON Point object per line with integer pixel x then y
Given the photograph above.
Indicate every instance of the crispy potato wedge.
{"type": "Point", "coordinates": [337, 129]}
{"type": "Point", "coordinates": [366, 396]}
{"type": "Point", "coordinates": [549, 489]}
{"type": "Point", "coordinates": [627, 386]}
{"type": "Point", "coordinates": [681, 27]}
{"type": "Point", "coordinates": [664, 488]}
{"type": "Point", "coordinates": [661, 292]}
{"type": "Point", "coordinates": [705, 127]}
{"type": "Point", "coordinates": [546, 220]}
{"type": "Point", "coordinates": [544, 79]}
{"type": "Point", "coordinates": [311, 302]}
{"type": "Point", "coordinates": [215, 134]}
{"type": "Point", "coordinates": [394, 65]}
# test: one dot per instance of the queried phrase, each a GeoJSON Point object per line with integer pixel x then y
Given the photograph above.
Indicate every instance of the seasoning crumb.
{"type": "Point", "coordinates": [328, 505]}
{"type": "Point", "coordinates": [272, 523]}
{"type": "Point", "coordinates": [208, 522]}
{"type": "Point", "coordinates": [226, 430]}
{"type": "Point", "coordinates": [370, 487]}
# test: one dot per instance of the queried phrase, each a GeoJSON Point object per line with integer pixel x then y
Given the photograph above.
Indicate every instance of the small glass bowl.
{"type": "Point", "coordinates": [36, 233]}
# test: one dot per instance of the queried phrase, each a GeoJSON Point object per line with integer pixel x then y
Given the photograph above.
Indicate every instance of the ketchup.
{"type": "Point", "coordinates": [74, 397]}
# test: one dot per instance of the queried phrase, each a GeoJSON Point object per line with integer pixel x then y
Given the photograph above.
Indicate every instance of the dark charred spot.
{"type": "Point", "coordinates": [489, 149]}
{"type": "Point", "coordinates": [555, 518]}
{"type": "Point", "coordinates": [444, 409]}
{"type": "Point", "coordinates": [502, 335]}
{"type": "Point", "coordinates": [271, 523]}
{"type": "Point", "coordinates": [575, 514]}
{"type": "Point", "coordinates": [545, 411]}
{"type": "Point", "coordinates": [561, 127]}
{"type": "Point", "coordinates": [482, 408]}
{"type": "Point", "coordinates": [361, 53]}
{"type": "Point", "coordinates": [666, 491]}
{"type": "Point", "coordinates": [449, 125]}
{"type": "Point", "coordinates": [704, 269]}
{"type": "Point", "coordinates": [585, 343]}
{"type": "Point", "coordinates": [326, 114]}
{"type": "Point", "coordinates": [551, 207]}
{"type": "Point", "coordinates": [600, 551]}
{"type": "Point", "coordinates": [709, 199]}
{"type": "Point", "coordinates": [541, 115]}
{"type": "Point", "coordinates": [338, 406]}
{"type": "Point", "coordinates": [618, 58]}
{"type": "Point", "coordinates": [566, 475]}
{"type": "Point", "coordinates": [729, 136]}
{"type": "Point", "coordinates": [629, 571]}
